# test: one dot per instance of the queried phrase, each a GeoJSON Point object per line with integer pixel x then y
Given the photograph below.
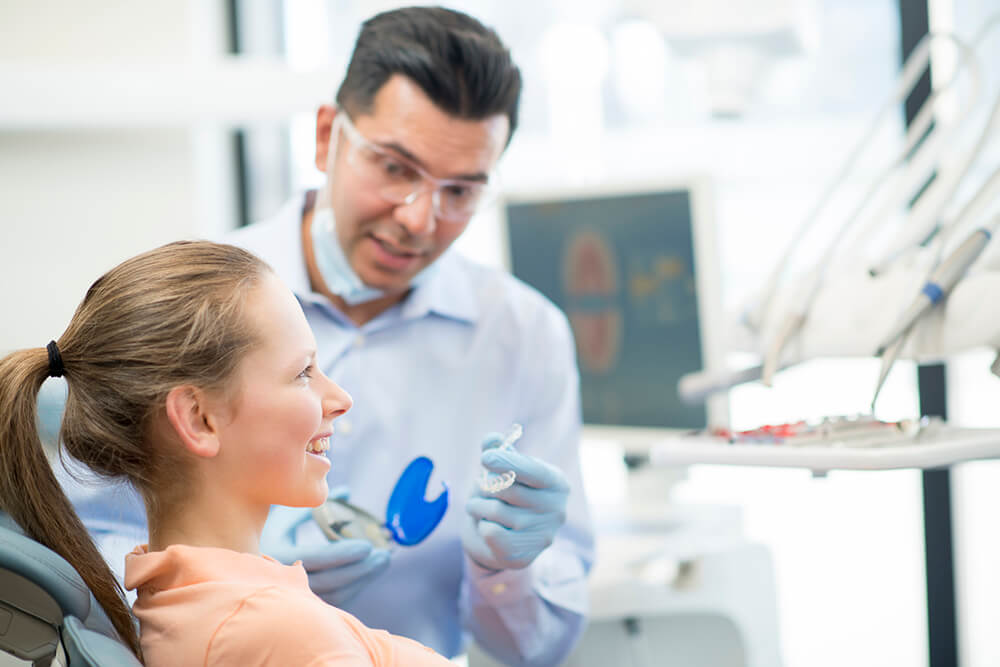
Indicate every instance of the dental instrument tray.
{"type": "Point", "coordinates": [862, 430]}
{"type": "Point", "coordinates": [834, 443]}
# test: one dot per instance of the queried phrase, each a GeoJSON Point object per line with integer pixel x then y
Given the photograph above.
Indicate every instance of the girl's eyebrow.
{"type": "Point", "coordinates": [309, 353]}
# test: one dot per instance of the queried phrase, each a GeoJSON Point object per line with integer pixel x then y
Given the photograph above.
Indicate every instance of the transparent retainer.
{"type": "Point", "coordinates": [492, 482]}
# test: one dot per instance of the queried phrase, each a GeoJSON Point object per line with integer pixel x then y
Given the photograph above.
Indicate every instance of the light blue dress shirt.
{"type": "Point", "coordinates": [470, 351]}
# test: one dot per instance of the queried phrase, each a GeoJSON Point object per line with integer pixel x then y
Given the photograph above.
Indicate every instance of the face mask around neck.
{"type": "Point", "coordinates": [334, 268]}
{"type": "Point", "coordinates": [332, 264]}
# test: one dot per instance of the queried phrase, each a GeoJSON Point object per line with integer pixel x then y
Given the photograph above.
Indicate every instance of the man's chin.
{"type": "Point", "coordinates": [389, 288]}
{"type": "Point", "coordinates": [387, 281]}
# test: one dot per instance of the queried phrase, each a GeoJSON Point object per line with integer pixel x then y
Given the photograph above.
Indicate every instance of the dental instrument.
{"type": "Point", "coordinates": [941, 281]}
{"type": "Point", "coordinates": [938, 285]}
{"type": "Point", "coordinates": [695, 388]}
{"type": "Point", "coordinates": [858, 431]}
{"type": "Point", "coordinates": [916, 168]}
{"type": "Point", "coordinates": [491, 482]}
{"type": "Point", "coordinates": [409, 518]}
{"type": "Point", "coordinates": [913, 69]}
{"type": "Point", "coordinates": [927, 211]}
{"type": "Point", "coordinates": [889, 357]}
{"type": "Point", "coordinates": [922, 157]}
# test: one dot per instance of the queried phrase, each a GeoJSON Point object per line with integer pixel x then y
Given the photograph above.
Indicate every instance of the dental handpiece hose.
{"type": "Point", "coordinates": [940, 282]}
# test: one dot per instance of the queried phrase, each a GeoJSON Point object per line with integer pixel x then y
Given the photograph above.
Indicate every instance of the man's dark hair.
{"type": "Point", "coordinates": [459, 63]}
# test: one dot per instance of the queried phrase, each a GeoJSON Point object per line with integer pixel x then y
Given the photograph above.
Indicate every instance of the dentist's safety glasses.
{"type": "Point", "coordinates": [491, 482]}
{"type": "Point", "coordinates": [409, 518]}
{"type": "Point", "coordinates": [399, 181]}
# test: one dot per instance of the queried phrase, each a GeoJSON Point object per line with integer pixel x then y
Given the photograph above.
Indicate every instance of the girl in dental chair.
{"type": "Point", "coordinates": [191, 373]}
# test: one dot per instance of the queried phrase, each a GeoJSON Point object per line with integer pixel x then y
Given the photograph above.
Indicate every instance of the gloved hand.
{"type": "Point", "coordinates": [507, 530]}
{"type": "Point", "coordinates": [337, 570]}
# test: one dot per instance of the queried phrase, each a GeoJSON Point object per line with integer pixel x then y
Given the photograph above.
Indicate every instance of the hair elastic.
{"type": "Point", "coordinates": [56, 368]}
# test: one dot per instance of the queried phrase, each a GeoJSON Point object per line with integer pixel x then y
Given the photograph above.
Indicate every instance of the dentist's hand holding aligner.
{"type": "Point", "coordinates": [337, 571]}
{"type": "Point", "coordinates": [508, 529]}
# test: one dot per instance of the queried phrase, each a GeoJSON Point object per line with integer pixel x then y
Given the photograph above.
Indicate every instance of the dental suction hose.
{"type": "Point", "coordinates": [695, 388]}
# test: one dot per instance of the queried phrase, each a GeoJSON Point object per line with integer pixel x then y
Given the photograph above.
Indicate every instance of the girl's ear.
{"type": "Point", "coordinates": [189, 415]}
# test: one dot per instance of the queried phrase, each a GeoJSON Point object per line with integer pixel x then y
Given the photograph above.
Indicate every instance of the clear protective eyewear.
{"type": "Point", "coordinates": [399, 181]}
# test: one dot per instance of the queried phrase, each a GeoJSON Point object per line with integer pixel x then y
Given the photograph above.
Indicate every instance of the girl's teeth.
{"type": "Point", "coordinates": [319, 445]}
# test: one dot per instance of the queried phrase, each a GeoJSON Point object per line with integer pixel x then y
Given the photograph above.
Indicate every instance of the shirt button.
{"type": "Point", "coordinates": [499, 588]}
{"type": "Point", "coordinates": [359, 340]}
{"type": "Point", "coordinates": [343, 426]}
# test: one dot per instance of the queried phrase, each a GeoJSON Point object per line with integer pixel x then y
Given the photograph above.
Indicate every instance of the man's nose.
{"type": "Point", "coordinates": [418, 215]}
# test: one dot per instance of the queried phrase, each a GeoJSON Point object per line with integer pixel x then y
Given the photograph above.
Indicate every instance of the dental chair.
{"type": "Point", "coordinates": [48, 616]}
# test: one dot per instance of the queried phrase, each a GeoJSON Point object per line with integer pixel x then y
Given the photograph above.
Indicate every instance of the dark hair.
{"type": "Point", "coordinates": [460, 64]}
{"type": "Point", "coordinates": [169, 317]}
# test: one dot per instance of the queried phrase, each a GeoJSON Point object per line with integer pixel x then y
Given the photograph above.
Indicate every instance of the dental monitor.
{"type": "Point", "coordinates": [635, 272]}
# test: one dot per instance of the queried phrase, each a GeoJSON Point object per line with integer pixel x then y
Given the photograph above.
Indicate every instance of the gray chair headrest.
{"type": "Point", "coordinates": [24, 556]}
{"type": "Point", "coordinates": [89, 648]}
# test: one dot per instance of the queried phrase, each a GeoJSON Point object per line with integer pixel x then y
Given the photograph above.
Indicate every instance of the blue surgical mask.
{"type": "Point", "coordinates": [334, 268]}
{"type": "Point", "coordinates": [332, 263]}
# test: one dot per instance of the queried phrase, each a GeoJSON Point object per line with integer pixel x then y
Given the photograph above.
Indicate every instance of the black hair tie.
{"type": "Point", "coordinates": [56, 368]}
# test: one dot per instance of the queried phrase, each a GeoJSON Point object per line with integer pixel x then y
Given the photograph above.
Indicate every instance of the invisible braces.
{"type": "Point", "coordinates": [491, 482]}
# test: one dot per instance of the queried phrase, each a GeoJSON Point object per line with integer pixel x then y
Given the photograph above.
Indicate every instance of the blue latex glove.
{"type": "Point", "coordinates": [507, 530]}
{"type": "Point", "coordinates": [337, 570]}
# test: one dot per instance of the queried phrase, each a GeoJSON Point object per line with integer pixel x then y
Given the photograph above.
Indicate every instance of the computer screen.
{"type": "Point", "coordinates": [635, 272]}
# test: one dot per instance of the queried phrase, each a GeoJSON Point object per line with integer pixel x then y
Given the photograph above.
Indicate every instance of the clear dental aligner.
{"type": "Point", "coordinates": [491, 482]}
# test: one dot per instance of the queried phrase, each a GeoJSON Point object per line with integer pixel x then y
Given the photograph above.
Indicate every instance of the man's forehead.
{"type": "Point", "coordinates": [447, 146]}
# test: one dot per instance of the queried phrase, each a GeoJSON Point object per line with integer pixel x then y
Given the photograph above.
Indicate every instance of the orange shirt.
{"type": "Point", "coordinates": [207, 606]}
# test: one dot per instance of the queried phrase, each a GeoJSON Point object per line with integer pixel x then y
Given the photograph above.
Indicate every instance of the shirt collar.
{"type": "Point", "coordinates": [183, 565]}
{"type": "Point", "coordinates": [448, 293]}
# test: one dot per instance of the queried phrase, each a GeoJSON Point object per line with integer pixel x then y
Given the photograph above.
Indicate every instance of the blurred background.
{"type": "Point", "coordinates": [124, 125]}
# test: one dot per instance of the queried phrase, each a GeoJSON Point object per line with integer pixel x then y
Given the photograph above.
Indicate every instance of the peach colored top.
{"type": "Point", "coordinates": [207, 606]}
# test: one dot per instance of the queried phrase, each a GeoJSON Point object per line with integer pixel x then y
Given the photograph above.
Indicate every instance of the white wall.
{"type": "Point", "coordinates": [76, 200]}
